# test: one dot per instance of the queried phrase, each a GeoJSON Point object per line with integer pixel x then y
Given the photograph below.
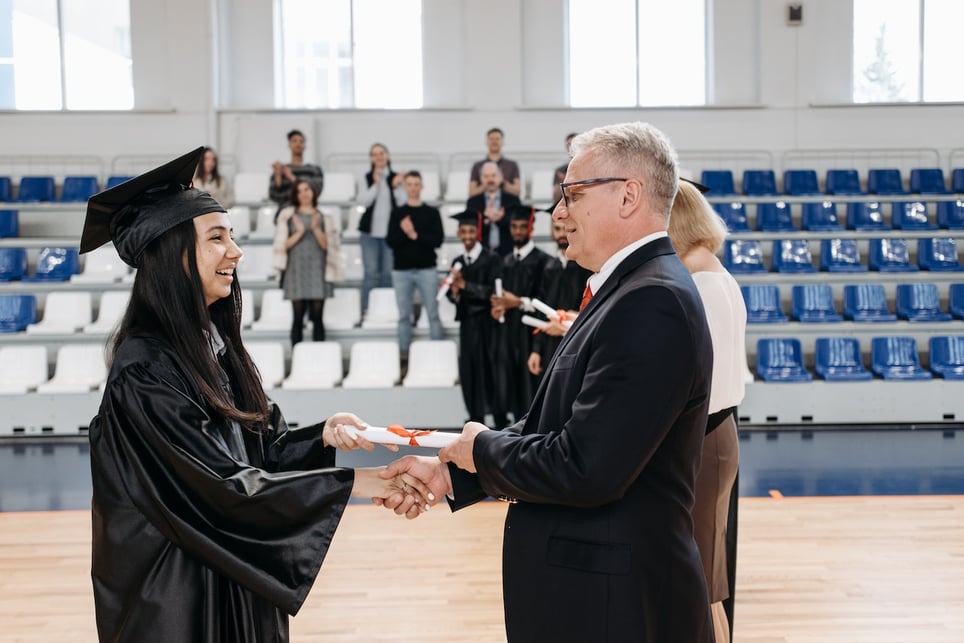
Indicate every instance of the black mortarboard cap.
{"type": "Point", "coordinates": [470, 217]}
{"type": "Point", "coordinates": [136, 212]}
{"type": "Point", "coordinates": [699, 186]}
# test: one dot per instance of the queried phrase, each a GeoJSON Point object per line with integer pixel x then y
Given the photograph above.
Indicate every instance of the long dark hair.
{"type": "Point", "coordinates": [215, 173]}
{"type": "Point", "coordinates": [293, 198]}
{"type": "Point", "coordinates": [168, 302]}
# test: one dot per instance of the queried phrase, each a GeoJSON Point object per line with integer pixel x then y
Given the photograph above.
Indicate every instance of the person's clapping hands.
{"type": "Point", "coordinates": [336, 435]}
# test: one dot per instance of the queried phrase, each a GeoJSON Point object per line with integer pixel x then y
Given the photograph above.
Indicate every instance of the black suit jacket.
{"type": "Point", "coordinates": [508, 201]}
{"type": "Point", "coordinates": [599, 546]}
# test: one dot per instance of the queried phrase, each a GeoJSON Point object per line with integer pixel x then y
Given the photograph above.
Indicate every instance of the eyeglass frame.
{"type": "Point", "coordinates": [605, 179]}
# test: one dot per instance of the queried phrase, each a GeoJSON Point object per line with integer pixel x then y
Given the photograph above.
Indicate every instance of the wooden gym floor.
{"type": "Point", "coordinates": [887, 569]}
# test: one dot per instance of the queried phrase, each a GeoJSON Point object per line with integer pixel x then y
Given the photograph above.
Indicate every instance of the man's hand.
{"type": "Point", "coordinates": [397, 180]}
{"type": "Point", "coordinates": [534, 363]}
{"type": "Point", "coordinates": [431, 474]}
{"type": "Point", "coordinates": [336, 435]}
{"type": "Point", "coordinates": [493, 215]}
{"type": "Point", "coordinates": [459, 452]}
{"type": "Point", "coordinates": [510, 300]}
{"type": "Point", "coordinates": [408, 228]}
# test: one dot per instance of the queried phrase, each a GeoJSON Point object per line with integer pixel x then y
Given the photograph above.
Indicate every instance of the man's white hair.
{"type": "Point", "coordinates": [636, 151]}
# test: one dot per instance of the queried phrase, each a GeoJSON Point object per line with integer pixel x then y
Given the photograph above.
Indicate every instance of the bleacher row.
{"type": "Point", "coordinates": [747, 256]}
{"type": "Point", "coordinates": [314, 366]}
{"type": "Point", "coordinates": [804, 182]}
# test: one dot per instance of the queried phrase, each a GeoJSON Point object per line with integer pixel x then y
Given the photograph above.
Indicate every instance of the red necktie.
{"type": "Point", "coordinates": [586, 296]}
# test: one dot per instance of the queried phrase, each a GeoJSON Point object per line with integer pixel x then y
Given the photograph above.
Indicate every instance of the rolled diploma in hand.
{"type": "Point", "coordinates": [544, 308]}
{"type": "Point", "coordinates": [498, 293]}
{"type": "Point", "coordinates": [447, 282]}
{"type": "Point", "coordinates": [397, 434]}
{"type": "Point", "coordinates": [535, 322]}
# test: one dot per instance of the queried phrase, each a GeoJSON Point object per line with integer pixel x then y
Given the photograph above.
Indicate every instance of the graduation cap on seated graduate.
{"type": "Point", "coordinates": [138, 211]}
{"type": "Point", "coordinates": [527, 213]}
{"type": "Point", "coordinates": [470, 217]}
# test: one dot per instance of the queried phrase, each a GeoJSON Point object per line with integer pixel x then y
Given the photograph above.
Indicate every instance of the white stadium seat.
{"type": "Point", "coordinates": [257, 264]}
{"type": "Point", "coordinates": [541, 188]}
{"type": "Point", "coordinates": [446, 313]}
{"type": "Point", "coordinates": [431, 187]}
{"type": "Point", "coordinates": [64, 313]}
{"type": "Point", "coordinates": [382, 309]}
{"type": "Point", "coordinates": [264, 223]}
{"type": "Point", "coordinates": [247, 308]}
{"type": "Point", "coordinates": [240, 216]}
{"type": "Point", "coordinates": [343, 310]}
{"type": "Point", "coordinates": [269, 357]}
{"type": "Point", "coordinates": [101, 266]}
{"type": "Point", "coordinates": [276, 312]}
{"type": "Point", "coordinates": [373, 365]}
{"type": "Point", "coordinates": [314, 365]}
{"type": "Point", "coordinates": [22, 368]}
{"type": "Point", "coordinates": [339, 187]}
{"type": "Point", "coordinates": [80, 369]}
{"type": "Point", "coordinates": [432, 364]}
{"type": "Point", "coordinates": [351, 261]}
{"type": "Point", "coordinates": [113, 305]}
{"type": "Point", "coordinates": [457, 185]}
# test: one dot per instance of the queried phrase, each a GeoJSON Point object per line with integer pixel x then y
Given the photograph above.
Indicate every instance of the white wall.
{"type": "Point", "coordinates": [501, 62]}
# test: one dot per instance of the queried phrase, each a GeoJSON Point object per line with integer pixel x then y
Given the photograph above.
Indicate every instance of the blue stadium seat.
{"type": "Point", "coordinates": [910, 215]}
{"type": "Point", "coordinates": [843, 182]}
{"type": "Point", "coordinates": [36, 188]}
{"type": "Point", "coordinates": [813, 303]}
{"type": "Point", "coordinates": [800, 182]}
{"type": "Point", "coordinates": [774, 217]}
{"type": "Point", "coordinates": [927, 181]}
{"type": "Point", "coordinates": [890, 255]}
{"type": "Point", "coordinates": [56, 264]}
{"type": "Point", "coordinates": [792, 255]}
{"type": "Point", "coordinates": [820, 216]}
{"type": "Point", "coordinates": [840, 255]}
{"type": "Point", "coordinates": [780, 360]}
{"type": "Point", "coordinates": [759, 183]}
{"type": "Point", "coordinates": [113, 181]}
{"type": "Point", "coordinates": [13, 263]}
{"type": "Point", "coordinates": [885, 181]}
{"type": "Point", "coordinates": [956, 296]}
{"type": "Point", "coordinates": [896, 358]}
{"type": "Point", "coordinates": [720, 182]}
{"type": "Point", "coordinates": [938, 255]}
{"type": "Point", "coordinates": [17, 312]}
{"type": "Point", "coordinates": [9, 223]}
{"type": "Point", "coordinates": [838, 359]}
{"type": "Point", "coordinates": [957, 180]}
{"type": "Point", "coordinates": [950, 215]}
{"type": "Point", "coordinates": [865, 215]}
{"type": "Point", "coordinates": [920, 303]}
{"type": "Point", "coordinates": [867, 303]}
{"type": "Point", "coordinates": [742, 257]}
{"type": "Point", "coordinates": [6, 189]}
{"type": "Point", "coordinates": [762, 304]}
{"type": "Point", "coordinates": [733, 215]}
{"type": "Point", "coordinates": [78, 188]}
{"type": "Point", "coordinates": [947, 356]}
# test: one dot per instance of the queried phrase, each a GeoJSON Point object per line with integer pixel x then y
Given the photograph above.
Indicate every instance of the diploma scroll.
{"type": "Point", "coordinates": [397, 434]}
{"type": "Point", "coordinates": [447, 282]}
{"type": "Point", "coordinates": [535, 322]}
{"type": "Point", "coordinates": [498, 293]}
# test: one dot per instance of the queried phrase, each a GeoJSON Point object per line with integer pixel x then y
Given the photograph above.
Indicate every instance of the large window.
{"type": "Point", "coordinates": [65, 54]}
{"type": "Point", "coordinates": [907, 50]}
{"type": "Point", "coordinates": [624, 53]}
{"type": "Point", "coordinates": [349, 53]}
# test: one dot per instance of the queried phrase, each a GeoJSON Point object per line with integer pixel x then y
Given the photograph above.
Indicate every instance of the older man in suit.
{"type": "Point", "coordinates": [601, 471]}
{"type": "Point", "coordinates": [494, 202]}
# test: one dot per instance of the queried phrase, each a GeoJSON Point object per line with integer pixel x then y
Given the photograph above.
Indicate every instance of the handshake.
{"type": "Point", "coordinates": [410, 485]}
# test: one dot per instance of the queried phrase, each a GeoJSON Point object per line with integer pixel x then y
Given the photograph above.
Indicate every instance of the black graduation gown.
{"type": "Point", "coordinates": [515, 385]}
{"type": "Point", "coordinates": [562, 288]}
{"type": "Point", "coordinates": [202, 531]}
{"type": "Point", "coordinates": [477, 332]}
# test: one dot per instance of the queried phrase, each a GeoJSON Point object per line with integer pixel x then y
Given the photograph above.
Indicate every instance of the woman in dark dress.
{"type": "Point", "coordinates": [211, 518]}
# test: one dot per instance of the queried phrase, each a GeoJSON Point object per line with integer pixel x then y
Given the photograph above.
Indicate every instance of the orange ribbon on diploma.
{"type": "Point", "coordinates": [400, 430]}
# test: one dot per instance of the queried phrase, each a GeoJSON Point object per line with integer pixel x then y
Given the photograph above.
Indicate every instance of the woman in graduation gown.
{"type": "Point", "coordinates": [211, 518]}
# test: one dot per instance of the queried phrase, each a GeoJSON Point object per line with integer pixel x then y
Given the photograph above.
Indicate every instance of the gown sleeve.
{"type": "Point", "coordinates": [266, 530]}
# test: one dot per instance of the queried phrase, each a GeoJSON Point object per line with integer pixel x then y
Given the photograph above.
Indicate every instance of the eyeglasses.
{"type": "Point", "coordinates": [564, 187]}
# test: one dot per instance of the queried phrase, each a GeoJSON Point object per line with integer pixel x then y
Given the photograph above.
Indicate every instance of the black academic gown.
{"type": "Point", "coordinates": [562, 289]}
{"type": "Point", "coordinates": [202, 531]}
{"type": "Point", "coordinates": [477, 332]}
{"type": "Point", "coordinates": [514, 383]}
